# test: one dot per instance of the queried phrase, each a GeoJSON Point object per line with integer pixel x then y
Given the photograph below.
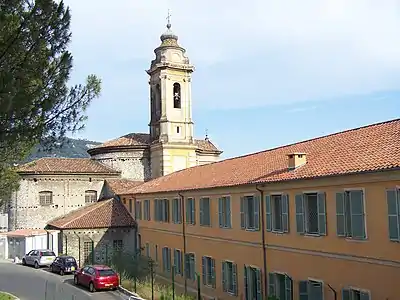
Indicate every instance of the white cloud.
{"type": "Point", "coordinates": [295, 50]}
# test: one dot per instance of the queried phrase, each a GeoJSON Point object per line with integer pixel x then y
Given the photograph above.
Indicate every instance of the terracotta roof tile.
{"type": "Point", "coordinates": [27, 232]}
{"type": "Point", "coordinates": [366, 149]}
{"type": "Point", "coordinates": [103, 214]}
{"type": "Point", "coordinates": [121, 186]}
{"type": "Point", "coordinates": [143, 140]}
{"type": "Point", "coordinates": [50, 165]}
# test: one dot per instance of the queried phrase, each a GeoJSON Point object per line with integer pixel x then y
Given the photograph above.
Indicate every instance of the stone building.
{"type": "Point", "coordinates": [53, 187]}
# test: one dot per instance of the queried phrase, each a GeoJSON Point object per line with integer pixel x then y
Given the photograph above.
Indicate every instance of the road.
{"type": "Point", "coordinates": [28, 283]}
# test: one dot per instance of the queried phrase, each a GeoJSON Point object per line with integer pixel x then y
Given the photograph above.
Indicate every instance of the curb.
{"type": "Point", "coordinates": [10, 295]}
{"type": "Point", "coordinates": [132, 295]}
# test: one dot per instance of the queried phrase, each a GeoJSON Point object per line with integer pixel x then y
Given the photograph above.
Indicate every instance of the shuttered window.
{"type": "Point", "coordinates": [277, 213]}
{"type": "Point", "coordinates": [350, 215]}
{"type": "Point", "coordinates": [224, 212]}
{"type": "Point", "coordinates": [190, 211]}
{"type": "Point", "coordinates": [311, 290]}
{"type": "Point", "coordinates": [355, 294]}
{"type": "Point", "coordinates": [252, 283]}
{"type": "Point", "coordinates": [190, 266]}
{"type": "Point", "coordinates": [176, 211]}
{"type": "Point", "coordinates": [280, 286]}
{"type": "Point", "coordinates": [138, 210]}
{"type": "Point", "coordinates": [250, 212]}
{"type": "Point", "coordinates": [166, 259]}
{"type": "Point", "coordinates": [229, 277]}
{"type": "Point", "coordinates": [161, 210]}
{"type": "Point", "coordinates": [393, 205]}
{"type": "Point", "coordinates": [146, 210]}
{"type": "Point", "coordinates": [311, 213]}
{"type": "Point", "coordinates": [208, 271]}
{"type": "Point", "coordinates": [205, 212]}
{"type": "Point", "coordinates": [178, 262]}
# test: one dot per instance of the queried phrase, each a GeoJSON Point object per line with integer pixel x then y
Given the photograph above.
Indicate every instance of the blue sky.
{"type": "Point", "coordinates": [265, 75]}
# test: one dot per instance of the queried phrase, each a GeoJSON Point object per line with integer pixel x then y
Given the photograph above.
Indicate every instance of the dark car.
{"type": "Point", "coordinates": [63, 265]}
{"type": "Point", "coordinates": [97, 277]}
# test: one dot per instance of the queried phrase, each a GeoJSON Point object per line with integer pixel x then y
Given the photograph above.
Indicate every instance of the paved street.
{"type": "Point", "coordinates": [30, 284]}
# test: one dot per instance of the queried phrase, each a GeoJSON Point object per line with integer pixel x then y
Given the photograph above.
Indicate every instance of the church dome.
{"type": "Point", "coordinates": [168, 38]}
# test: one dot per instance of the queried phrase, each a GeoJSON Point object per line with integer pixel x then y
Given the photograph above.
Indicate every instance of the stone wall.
{"type": "Point", "coordinates": [25, 211]}
{"type": "Point", "coordinates": [133, 164]}
{"type": "Point", "coordinates": [78, 243]}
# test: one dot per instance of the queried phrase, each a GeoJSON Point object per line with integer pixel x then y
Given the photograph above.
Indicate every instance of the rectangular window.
{"type": "Point", "coordinates": [277, 213]}
{"type": "Point", "coordinates": [355, 294]}
{"type": "Point", "coordinates": [224, 212]}
{"type": "Point", "coordinates": [166, 257]}
{"type": "Point", "coordinates": [393, 204]}
{"type": "Point", "coordinates": [46, 198]}
{"type": "Point", "coordinates": [90, 196]}
{"type": "Point", "coordinates": [350, 215]}
{"type": "Point", "coordinates": [190, 211]}
{"type": "Point", "coordinates": [190, 266]}
{"type": "Point", "coordinates": [118, 245]}
{"type": "Point", "coordinates": [161, 210]}
{"type": "Point", "coordinates": [130, 205]}
{"type": "Point", "coordinates": [147, 247]}
{"type": "Point", "coordinates": [229, 277]}
{"type": "Point", "coordinates": [138, 210]}
{"type": "Point", "coordinates": [311, 213]}
{"type": "Point", "coordinates": [146, 210]}
{"type": "Point", "coordinates": [176, 211]}
{"type": "Point", "coordinates": [252, 283]}
{"type": "Point", "coordinates": [87, 252]}
{"type": "Point", "coordinates": [311, 290]}
{"type": "Point", "coordinates": [178, 262]}
{"type": "Point", "coordinates": [208, 271]}
{"type": "Point", "coordinates": [205, 212]}
{"type": "Point", "coordinates": [250, 212]}
{"type": "Point", "coordinates": [280, 286]}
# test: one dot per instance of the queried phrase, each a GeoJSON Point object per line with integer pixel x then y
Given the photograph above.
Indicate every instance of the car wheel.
{"type": "Point", "coordinates": [36, 265]}
{"type": "Point", "coordinates": [76, 281]}
{"type": "Point", "coordinates": [23, 262]}
{"type": "Point", "coordinates": [91, 287]}
{"type": "Point", "coordinates": [61, 272]}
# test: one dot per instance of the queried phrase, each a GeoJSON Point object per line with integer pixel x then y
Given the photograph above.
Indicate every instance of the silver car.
{"type": "Point", "coordinates": [39, 258]}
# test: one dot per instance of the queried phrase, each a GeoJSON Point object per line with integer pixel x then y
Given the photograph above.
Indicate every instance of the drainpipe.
{"type": "Point", "coordinates": [334, 291]}
{"type": "Point", "coordinates": [79, 248]}
{"type": "Point", "coordinates": [264, 247]}
{"type": "Point", "coordinates": [183, 235]}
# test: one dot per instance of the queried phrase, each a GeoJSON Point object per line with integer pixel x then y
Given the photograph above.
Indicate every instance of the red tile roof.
{"type": "Point", "coordinates": [27, 232]}
{"type": "Point", "coordinates": [103, 214]}
{"type": "Point", "coordinates": [50, 165]}
{"type": "Point", "coordinates": [367, 149]}
{"type": "Point", "coordinates": [142, 140]}
{"type": "Point", "coordinates": [121, 186]}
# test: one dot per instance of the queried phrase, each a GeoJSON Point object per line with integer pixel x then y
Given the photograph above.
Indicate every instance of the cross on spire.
{"type": "Point", "coordinates": [206, 134]}
{"type": "Point", "coordinates": [169, 19]}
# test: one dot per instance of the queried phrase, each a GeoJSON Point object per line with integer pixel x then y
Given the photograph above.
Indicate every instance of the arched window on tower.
{"type": "Point", "coordinates": [177, 95]}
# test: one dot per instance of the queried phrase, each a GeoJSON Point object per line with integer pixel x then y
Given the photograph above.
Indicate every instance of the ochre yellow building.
{"type": "Point", "coordinates": [303, 222]}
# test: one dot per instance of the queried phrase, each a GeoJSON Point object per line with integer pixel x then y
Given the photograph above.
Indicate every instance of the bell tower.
{"type": "Point", "coordinates": [171, 125]}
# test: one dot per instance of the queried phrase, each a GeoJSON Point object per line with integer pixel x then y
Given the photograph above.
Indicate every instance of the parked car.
{"type": "Point", "coordinates": [39, 258]}
{"type": "Point", "coordinates": [97, 277]}
{"type": "Point", "coordinates": [64, 264]}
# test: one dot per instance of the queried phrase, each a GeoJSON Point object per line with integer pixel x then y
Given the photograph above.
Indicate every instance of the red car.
{"type": "Point", "coordinates": [97, 277]}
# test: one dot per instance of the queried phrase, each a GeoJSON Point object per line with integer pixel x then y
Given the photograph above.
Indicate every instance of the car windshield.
{"type": "Point", "coordinates": [106, 272]}
{"type": "Point", "coordinates": [70, 259]}
{"type": "Point", "coordinates": [47, 253]}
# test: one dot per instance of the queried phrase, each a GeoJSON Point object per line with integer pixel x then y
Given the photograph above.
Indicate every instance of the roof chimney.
{"type": "Point", "coordinates": [296, 160]}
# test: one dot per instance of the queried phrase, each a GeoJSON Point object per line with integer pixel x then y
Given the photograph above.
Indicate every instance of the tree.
{"type": "Point", "coordinates": [36, 104]}
{"type": "Point", "coordinates": [131, 265]}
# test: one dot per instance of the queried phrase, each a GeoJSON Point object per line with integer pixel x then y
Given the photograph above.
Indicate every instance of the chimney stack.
{"type": "Point", "coordinates": [296, 160]}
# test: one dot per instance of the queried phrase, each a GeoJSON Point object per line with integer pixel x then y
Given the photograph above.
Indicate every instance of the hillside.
{"type": "Point", "coordinates": [70, 148]}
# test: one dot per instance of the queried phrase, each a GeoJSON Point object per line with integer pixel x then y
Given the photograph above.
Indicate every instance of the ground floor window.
{"type": "Point", "coordinates": [87, 252]}
{"type": "Point", "coordinates": [229, 277]}
{"type": "Point", "coordinates": [166, 257]}
{"type": "Point", "coordinates": [355, 294]}
{"type": "Point", "coordinates": [311, 290]}
{"type": "Point", "coordinates": [280, 286]}
{"type": "Point", "coordinates": [190, 266]}
{"type": "Point", "coordinates": [208, 270]}
{"type": "Point", "coordinates": [252, 283]}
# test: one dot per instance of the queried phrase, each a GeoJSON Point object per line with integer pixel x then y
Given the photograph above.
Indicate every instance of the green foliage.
{"type": "Point", "coordinates": [35, 102]}
{"type": "Point", "coordinates": [131, 265]}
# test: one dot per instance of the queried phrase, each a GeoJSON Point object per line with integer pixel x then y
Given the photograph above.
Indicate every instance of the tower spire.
{"type": "Point", "coordinates": [169, 19]}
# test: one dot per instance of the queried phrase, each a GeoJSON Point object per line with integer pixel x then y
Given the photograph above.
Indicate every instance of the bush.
{"type": "Point", "coordinates": [131, 265]}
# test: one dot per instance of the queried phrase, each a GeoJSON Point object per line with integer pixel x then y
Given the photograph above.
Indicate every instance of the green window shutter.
{"type": "Point", "coordinates": [213, 273]}
{"type": "Point", "coordinates": [169, 259]}
{"type": "Point", "coordinates": [357, 214]}
{"type": "Point", "coordinates": [346, 294]}
{"type": "Point", "coordinates": [288, 288]}
{"type": "Point", "coordinates": [271, 284]}
{"type": "Point", "coordinates": [285, 212]}
{"type": "Point", "coordinates": [193, 266]}
{"type": "Point", "coordinates": [393, 215]}
{"type": "Point", "coordinates": [300, 220]}
{"type": "Point", "coordinates": [174, 212]}
{"type": "Point", "coordinates": [207, 211]}
{"type": "Point", "coordinates": [259, 289]}
{"type": "Point", "coordinates": [204, 270]}
{"type": "Point", "coordinates": [246, 287]}
{"type": "Point", "coordinates": [340, 215]}
{"type": "Point", "coordinates": [186, 265]}
{"type": "Point", "coordinates": [224, 276]}
{"type": "Point", "coordinates": [164, 258]}
{"type": "Point", "coordinates": [187, 211]}
{"type": "Point", "coordinates": [228, 212]}
{"type": "Point", "coordinates": [176, 258]}
{"type": "Point", "coordinates": [193, 211]}
{"type": "Point", "coordinates": [268, 213]}
{"type": "Point", "coordinates": [322, 213]}
{"type": "Point", "coordinates": [220, 213]}
{"type": "Point", "coordinates": [303, 290]}
{"type": "Point", "coordinates": [242, 216]}
{"type": "Point", "coordinates": [364, 296]}
{"type": "Point", "coordinates": [257, 212]}
{"type": "Point", "coordinates": [201, 213]}
{"type": "Point", "coordinates": [234, 279]}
